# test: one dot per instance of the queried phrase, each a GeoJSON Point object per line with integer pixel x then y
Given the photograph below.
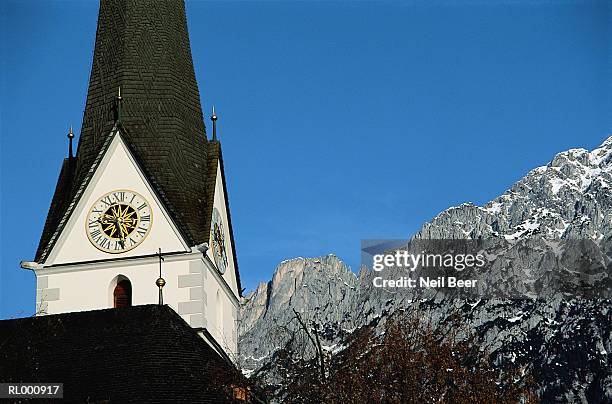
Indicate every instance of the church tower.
{"type": "Point", "coordinates": [145, 179]}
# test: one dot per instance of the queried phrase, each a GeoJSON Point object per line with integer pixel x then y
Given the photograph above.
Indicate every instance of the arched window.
{"type": "Point", "coordinates": [122, 295]}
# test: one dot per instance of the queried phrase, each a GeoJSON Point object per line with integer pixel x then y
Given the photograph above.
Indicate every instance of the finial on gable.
{"type": "Point", "coordinates": [70, 137]}
{"type": "Point", "coordinates": [213, 118]}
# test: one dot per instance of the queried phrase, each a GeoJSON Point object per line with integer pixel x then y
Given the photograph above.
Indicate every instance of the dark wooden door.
{"type": "Point", "coordinates": [123, 294]}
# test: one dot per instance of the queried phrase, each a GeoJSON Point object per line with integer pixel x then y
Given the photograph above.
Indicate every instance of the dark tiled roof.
{"type": "Point", "coordinates": [143, 47]}
{"type": "Point", "coordinates": [59, 203]}
{"type": "Point", "coordinates": [137, 354]}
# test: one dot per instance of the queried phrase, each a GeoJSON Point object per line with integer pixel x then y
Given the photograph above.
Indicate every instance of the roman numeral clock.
{"type": "Point", "coordinates": [118, 221]}
{"type": "Point", "coordinates": [217, 238]}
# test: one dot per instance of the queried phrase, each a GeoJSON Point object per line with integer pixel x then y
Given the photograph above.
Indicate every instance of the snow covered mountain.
{"type": "Point", "coordinates": [565, 340]}
{"type": "Point", "coordinates": [568, 198]}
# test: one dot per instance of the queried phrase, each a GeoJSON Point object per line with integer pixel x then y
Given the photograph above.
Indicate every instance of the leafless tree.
{"type": "Point", "coordinates": [410, 361]}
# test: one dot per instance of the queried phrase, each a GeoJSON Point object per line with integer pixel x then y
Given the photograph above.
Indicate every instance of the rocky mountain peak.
{"type": "Point", "coordinates": [565, 342]}
{"type": "Point", "coordinates": [567, 198]}
{"type": "Point", "coordinates": [300, 283]}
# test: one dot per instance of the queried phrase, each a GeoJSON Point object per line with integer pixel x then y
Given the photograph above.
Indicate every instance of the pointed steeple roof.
{"type": "Point", "coordinates": [142, 47]}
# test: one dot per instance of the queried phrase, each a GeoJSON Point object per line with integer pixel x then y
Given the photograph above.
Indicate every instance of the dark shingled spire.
{"type": "Point", "coordinates": [142, 46]}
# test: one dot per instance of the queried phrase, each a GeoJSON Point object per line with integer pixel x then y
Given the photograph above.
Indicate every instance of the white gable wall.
{"type": "Point", "coordinates": [117, 170]}
{"type": "Point", "coordinates": [219, 203]}
{"type": "Point", "coordinates": [223, 320]}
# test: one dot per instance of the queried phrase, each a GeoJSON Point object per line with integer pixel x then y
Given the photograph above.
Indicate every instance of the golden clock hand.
{"type": "Point", "coordinates": [121, 236]}
{"type": "Point", "coordinates": [118, 226]}
{"type": "Point", "coordinates": [123, 224]}
{"type": "Point", "coordinates": [106, 217]}
{"type": "Point", "coordinates": [117, 222]}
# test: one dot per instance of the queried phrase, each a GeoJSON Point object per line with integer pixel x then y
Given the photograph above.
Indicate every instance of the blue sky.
{"type": "Point", "coordinates": [340, 121]}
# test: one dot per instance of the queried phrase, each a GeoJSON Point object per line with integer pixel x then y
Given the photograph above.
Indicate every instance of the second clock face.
{"type": "Point", "coordinates": [118, 221]}
{"type": "Point", "coordinates": [217, 239]}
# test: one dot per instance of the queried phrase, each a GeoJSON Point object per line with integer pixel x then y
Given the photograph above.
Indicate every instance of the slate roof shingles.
{"type": "Point", "coordinates": [135, 354]}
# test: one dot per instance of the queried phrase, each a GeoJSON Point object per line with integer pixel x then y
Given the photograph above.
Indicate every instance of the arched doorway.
{"type": "Point", "coordinates": [122, 295]}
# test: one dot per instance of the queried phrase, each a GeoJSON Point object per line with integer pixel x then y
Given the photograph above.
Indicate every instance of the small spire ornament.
{"type": "Point", "coordinates": [70, 137]}
{"type": "Point", "coordinates": [213, 118]}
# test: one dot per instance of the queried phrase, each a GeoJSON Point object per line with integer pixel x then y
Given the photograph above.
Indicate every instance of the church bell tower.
{"type": "Point", "coordinates": [144, 198]}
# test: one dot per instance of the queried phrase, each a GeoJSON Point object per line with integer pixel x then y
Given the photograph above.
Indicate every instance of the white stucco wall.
{"type": "Point", "coordinates": [88, 287]}
{"type": "Point", "coordinates": [192, 285]}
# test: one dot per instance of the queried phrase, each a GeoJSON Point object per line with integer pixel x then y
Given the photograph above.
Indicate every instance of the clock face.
{"type": "Point", "coordinates": [118, 221]}
{"type": "Point", "coordinates": [217, 240]}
